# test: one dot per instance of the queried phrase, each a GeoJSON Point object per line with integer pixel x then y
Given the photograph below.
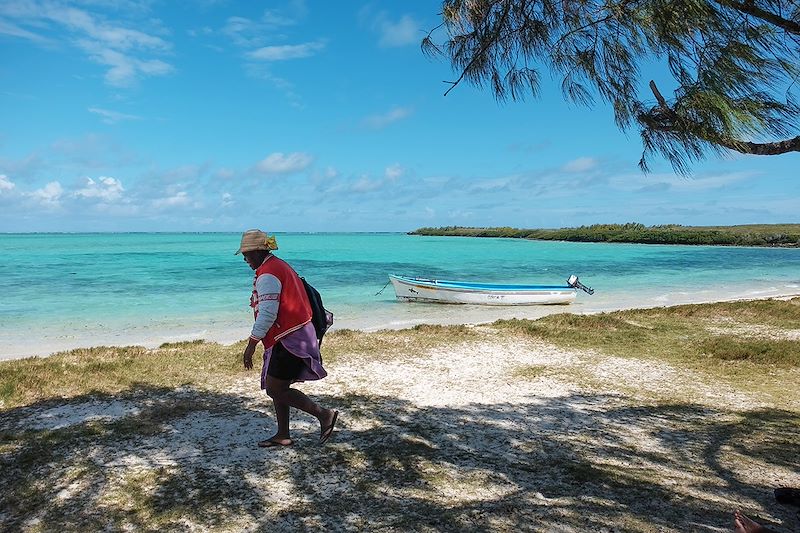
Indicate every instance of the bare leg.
{"type": "Point", "coordinates": [283, 395]}
{"type": "Point", "coordinates": [282, 417]}
{"type": "Point", "coordinates": [743, 524]}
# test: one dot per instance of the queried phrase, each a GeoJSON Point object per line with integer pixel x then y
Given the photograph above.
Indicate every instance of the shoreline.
{"type": "Point", "coordinates": [467, 315]}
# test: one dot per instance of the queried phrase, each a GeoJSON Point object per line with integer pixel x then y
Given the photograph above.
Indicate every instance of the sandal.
{"type": "Point", "coordinates": [275, 443]}
{"type": "Point", "coordinates": [328, 431]}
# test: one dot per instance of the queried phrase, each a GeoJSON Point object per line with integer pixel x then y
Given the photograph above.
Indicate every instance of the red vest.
{"type": "Point", "coordinates": [294, 311]}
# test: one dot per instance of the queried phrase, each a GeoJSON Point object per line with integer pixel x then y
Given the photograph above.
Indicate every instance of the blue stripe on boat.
{"type": "Point", "coordinates": [479, 286]}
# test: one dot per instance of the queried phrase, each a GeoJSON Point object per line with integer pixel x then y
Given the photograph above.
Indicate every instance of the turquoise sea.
{"type": "Point", "coordinates": [59, 291]}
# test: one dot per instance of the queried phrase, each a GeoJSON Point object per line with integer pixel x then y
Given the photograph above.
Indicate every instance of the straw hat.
{"type": "Point", "coordinates": [255, 239]}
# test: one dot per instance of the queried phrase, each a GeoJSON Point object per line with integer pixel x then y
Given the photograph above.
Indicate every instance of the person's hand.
{"type": "Point", "coordinates": [247, 356]}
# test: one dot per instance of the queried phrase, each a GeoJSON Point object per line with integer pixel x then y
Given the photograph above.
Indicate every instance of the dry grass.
{"type": "Point", "coordinates": [766, 362]}
{"type": "Point", "coordinates": [105, 369]}
{"type": "Point", "coordinates": [115, 369]}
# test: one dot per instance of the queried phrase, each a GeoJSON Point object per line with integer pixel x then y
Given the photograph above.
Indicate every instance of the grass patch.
{"type": "Point", "coordinates": [107, 369]}
{"type": "Point", "coordinates": [760, 351]}
{"type": "Point", "coordinates": [531, 372]}
{"type": "Point", "coordinates": [677, 333]}
{"type": "Point", "coordinates": [683, 336]}
{"type": "Point", "coordinates": [775, 313]}
{"type": "Point", "coordinates": [181, 344]}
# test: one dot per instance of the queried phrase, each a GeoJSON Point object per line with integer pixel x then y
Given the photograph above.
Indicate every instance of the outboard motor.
{"type": "Point", "coordinates": [573, 281]}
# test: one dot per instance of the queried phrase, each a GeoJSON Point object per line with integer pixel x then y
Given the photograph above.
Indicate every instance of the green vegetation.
{"type": "Point", "coordinates": [733, 66]}
{"type": "Point", "coordinates": [784, 235]}
{"type": "Point", "coordinates": [711, 337]}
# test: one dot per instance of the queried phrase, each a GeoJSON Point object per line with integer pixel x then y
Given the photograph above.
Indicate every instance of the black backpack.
{"type": "Point", "coordinates": [320, 317]}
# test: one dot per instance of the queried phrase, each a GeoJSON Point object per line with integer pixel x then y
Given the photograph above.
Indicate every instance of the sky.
{"type": "Point", "coordinates": [209, 115]}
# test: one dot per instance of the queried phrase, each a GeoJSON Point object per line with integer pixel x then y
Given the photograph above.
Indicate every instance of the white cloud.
{"type": "Point", "coordinates": [124, 69]}
{"type": "Point", "coordinates": [179, 199]}
{"type": "Point", "coordinates": [392, 32]}
{"type": "Point", "coordinates": [106, 43]}
{"type": "Point", "coordinates": [393, 172]}
{"type": "Point", "coordinates": [491, 185]}
{"type": "Point", "coordinates": [243, 31]}
{"type": "Point", "coordinates": [5, 183]}
{"type": "Point", "coordinates": [112, 117]}
{"type": "Point", "coordinates": [225, 174]}
{"type": "Point", "coordinates": [714, 181]}
{"type": "Point", "coordinates": [15, 31]}
{"type": "Point", "coordinates": [325, 178]}
{"type": "Point", "coordinates": [364, 184]}
{"type": "Point", "coordinates": [112, 36]}
{"type": "Point", "coordinates": [674, 183]}
{"type": "Point", "coordinates": [248, 33]}
{"type": "Point", "coordinates": [259, 37]}
{"type": "Point", "coordinates": [403, 32]}
{"type": "Point", "coordinates": [278, 163]}
{"type": "Point", "coordinates": [227, 199]}
{"type": "Point", "coordinates": [382, 120]}
{"type": "Point", "coordinates": [198, 32]}
{"type": "Point", "coordinates": [237, 25]}
{"type": "Point", "coordinates": [185, 173]}
{"type": "Point", "coordinates": [287, 16]}
{"type": "Point", "coordinates": [287, 51]}
{"type": "Point", "coordinates": [105, 189]}
{"type": "Point", "coordinates": [460, 214]}
{"type": "Point", "coordinates": [49, 195]}
{"type": "Point", "coordinates": [582, 164]}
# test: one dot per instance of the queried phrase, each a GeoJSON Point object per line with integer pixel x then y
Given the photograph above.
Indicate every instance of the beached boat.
{"type": "Point", "coordinates": [463, 292]}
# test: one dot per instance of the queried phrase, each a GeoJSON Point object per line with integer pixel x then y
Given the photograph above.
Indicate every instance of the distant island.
{"type": "Point", "coordinates": [779, 235]}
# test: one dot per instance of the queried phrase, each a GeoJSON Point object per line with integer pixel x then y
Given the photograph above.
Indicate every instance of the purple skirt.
{"type": "Point", "coordinates": [303, 344]}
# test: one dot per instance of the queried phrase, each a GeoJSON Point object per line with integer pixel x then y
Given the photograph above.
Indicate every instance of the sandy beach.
{"type": "Point", "coordinates": [17, 344]}
{"type": "Point", "coordinates": [492, 431]}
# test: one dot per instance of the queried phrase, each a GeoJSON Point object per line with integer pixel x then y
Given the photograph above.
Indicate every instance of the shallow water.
{"type": "Point", "coordinates": [59, 291]}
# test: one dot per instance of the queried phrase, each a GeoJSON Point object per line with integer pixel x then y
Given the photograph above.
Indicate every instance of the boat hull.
{"type": "Point", "coordinates": [453, 292]}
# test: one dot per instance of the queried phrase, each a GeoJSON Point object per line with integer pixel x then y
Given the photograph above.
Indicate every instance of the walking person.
{"type": "Point", "coordinates": [283, 325]}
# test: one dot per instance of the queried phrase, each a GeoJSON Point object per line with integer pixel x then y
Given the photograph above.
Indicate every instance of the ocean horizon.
{"type": "Point", "coordinates": [67, 290]}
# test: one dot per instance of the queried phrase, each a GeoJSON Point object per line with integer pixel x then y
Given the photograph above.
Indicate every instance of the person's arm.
{"type": "Point", "coordinates": [268, 288]}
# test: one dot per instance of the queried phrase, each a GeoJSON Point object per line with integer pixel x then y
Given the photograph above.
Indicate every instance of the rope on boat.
{"type": "Point", "coordinates": [380, 291]}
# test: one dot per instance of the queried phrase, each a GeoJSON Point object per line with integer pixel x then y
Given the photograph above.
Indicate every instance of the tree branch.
{"type": "Point", "coordinates": [659, 98]}
{"type": "Point", "coordinates": [772, 148]}
{"type": "Point", "coordinates": [483, 50]}
{"type": "Point", "coordinates": [747, 6]}
{"type": "Point", "coordinates": [664, 118]}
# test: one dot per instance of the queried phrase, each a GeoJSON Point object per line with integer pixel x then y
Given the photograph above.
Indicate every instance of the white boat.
{"type": "Point", "coordinates": [464, 292]}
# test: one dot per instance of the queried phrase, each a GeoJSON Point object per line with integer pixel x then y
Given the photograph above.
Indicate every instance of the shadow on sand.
{"type": "Point", "coordinates": [185, 459]}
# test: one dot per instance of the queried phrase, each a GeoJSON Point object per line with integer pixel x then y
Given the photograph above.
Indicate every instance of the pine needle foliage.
{"type": "Point", "coordinates": [734, 65]}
